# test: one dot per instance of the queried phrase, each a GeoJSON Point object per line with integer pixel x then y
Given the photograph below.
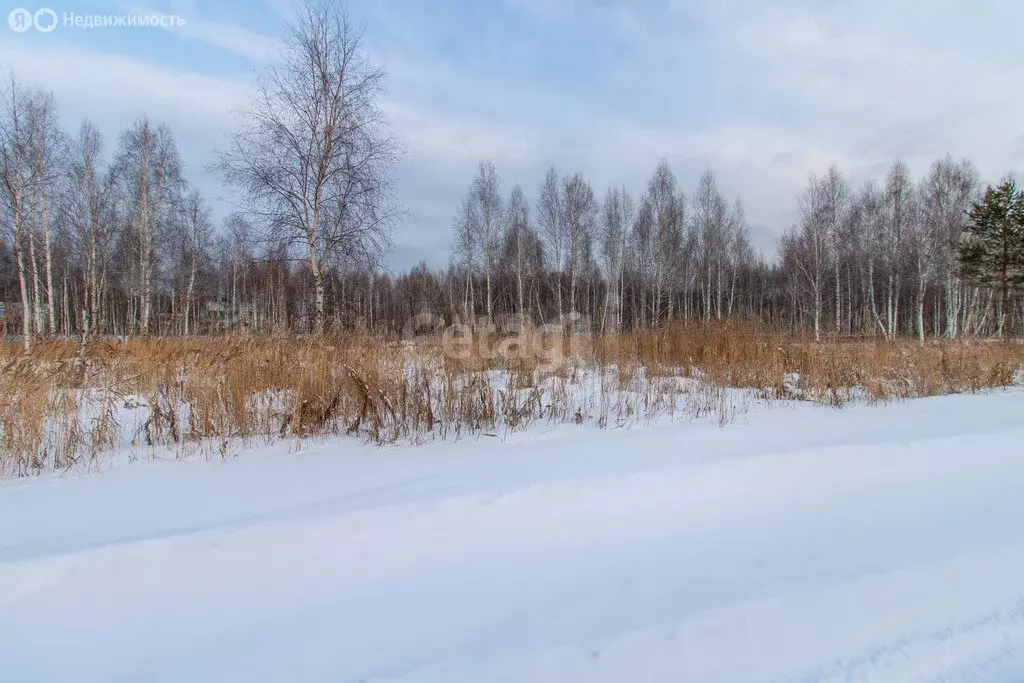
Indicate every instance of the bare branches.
{"type": "Point", "coordinates": [579, 214]}
{"type": "Point", "coordinates": [149, 176]}
{"type": "Point", "coordinates": [314, 157]}
{"type": "Point", "coordinates": [26, 137]}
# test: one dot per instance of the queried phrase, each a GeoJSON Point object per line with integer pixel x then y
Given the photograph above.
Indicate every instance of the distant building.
{"type": "Point", "coordinates": [218, 314]}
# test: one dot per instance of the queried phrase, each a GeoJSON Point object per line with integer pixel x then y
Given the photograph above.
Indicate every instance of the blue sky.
{"type": "Point", "coordinates": [763, 93]}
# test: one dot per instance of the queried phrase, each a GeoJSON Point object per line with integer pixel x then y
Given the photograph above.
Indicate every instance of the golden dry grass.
{"type": "Point", "coordinates": [60, 408]}
{"type": "Point", "coordinates": [741, 354]}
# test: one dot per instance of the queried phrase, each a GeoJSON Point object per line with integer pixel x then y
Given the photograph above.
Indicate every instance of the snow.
{"type": "Point", "coordinates": [802, 543]}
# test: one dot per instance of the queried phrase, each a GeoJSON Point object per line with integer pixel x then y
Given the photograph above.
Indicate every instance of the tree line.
{"type": "Point", "coordinates": [109, 239]}
{"type": "Point", "coordinates": [103, 238]}
{"type": "Point", "coordinates": [931, 256]}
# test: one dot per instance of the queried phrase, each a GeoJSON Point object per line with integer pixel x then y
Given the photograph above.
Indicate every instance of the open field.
{"type": "Point", "coordinates": [512, 342]}
{"type": "Point", "coordinates": [67, 408]}
{"type": "Point", "coordinates": [876, 543]}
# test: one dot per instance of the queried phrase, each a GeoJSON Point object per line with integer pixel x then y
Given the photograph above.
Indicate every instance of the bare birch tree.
{"type": "Point", "coordinates": [668, 215]}
{"type": "Point", "coordinates": [19, 176]}
{"type": "Point", "coordinates": [86, 210]}
{"type": "Point", "coordinates": [485, 194]}
{"type": "Point", "coordinates": [550, 222]}
{"type": "Point", "coordinates": [710, 216]}
{"type": "Point", "coordinates": [197, 229]}
{"type": "Point", "coordinates": [315, 157]}
{"type": "Point", "coordinates": [579, 212]}
{"type": "Point", "coordinates": [898, 213]}
{"type": "Point", "coordinates": [811, 248]}
{"type": "Point", "coordinates": [618, 216]}
{"type": "Point", "coordinates": [465, 251]}
{"type": "Point", "coordinates": [149, 168]}
{"type": "Point", "coordinates": [835, 203]}
{"type": "Point", "coordinates": [945, 195]}
{"type": "Point", "coordinates": [47, 144]}
{"type": "Point", "coordinates": [519, 238]}
{"type": "Point", "coordinates": [741, 254]}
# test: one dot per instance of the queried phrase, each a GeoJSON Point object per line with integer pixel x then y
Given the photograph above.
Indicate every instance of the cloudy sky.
{"type": "Point", "coordinates": [763, 93]}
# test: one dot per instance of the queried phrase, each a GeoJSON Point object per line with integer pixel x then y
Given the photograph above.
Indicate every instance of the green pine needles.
{"type": "Point", "coordinates": [992, 246]}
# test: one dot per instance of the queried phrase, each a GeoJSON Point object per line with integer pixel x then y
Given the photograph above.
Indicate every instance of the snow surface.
{"type": "Point", "coordinates": [805, 544]}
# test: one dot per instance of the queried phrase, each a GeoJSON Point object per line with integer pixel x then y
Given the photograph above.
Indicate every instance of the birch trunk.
{"type": "Point", "coordinates": [36, 287]}
{"type": "Point", "coordinates": [44, 220]}
{"type": "Point", "coordinates": [189, 291]}
{"type": "Point", "coordinates": [19, 254]}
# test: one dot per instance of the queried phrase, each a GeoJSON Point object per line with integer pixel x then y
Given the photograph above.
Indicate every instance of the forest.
{"type": "Point", "coordinates": [131, 316]}
{"type": "Point", "coordinates": [105, 238]}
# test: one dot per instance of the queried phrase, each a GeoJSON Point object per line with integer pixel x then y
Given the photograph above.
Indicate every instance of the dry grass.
{"type": "Point", "coordinates": [743, 355]}
{"type": "Point", "coordinates": [59, 410]}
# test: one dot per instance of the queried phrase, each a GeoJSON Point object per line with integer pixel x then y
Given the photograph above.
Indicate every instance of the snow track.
{"type": "Point", "coordinates": [807, 544]}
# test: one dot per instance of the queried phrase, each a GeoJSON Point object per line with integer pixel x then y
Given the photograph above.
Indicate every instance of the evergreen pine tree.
{"type": "Point", "coordinates": [992, 246]}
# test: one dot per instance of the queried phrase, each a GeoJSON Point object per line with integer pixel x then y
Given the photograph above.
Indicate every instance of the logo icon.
{"type": "Point", "coordinates": [46, 20]}
{"type": "Point", "coordinates": [20, 19]}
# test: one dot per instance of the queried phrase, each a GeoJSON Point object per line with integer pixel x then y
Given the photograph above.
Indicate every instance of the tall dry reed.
{"type": "Point", "coordinates": [63, 408]}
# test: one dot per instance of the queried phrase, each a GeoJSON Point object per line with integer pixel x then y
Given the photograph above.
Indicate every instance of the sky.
{"type": "Point", "coordinates": [762, 93]}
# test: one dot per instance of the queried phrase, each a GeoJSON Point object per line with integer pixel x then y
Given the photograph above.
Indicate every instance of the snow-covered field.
{"type": "Point", "coordinates": [800, 543]}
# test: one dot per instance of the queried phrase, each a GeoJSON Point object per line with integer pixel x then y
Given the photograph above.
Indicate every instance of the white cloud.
{"type": "Point", "coordinates": [448, 141]}
{"type": "Point", "coordinates": [782, 89]}
{"type": "Point", "coordinates": [99, 82]}
{"type": "Point", "coordinates": [231, 37]}
{"type": "Point", "coordinates": [764, 165]}
{"type": "Point", "coordinates": [880, 79]}
{"type": "Point", "coordinates": [113, 90]}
